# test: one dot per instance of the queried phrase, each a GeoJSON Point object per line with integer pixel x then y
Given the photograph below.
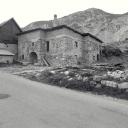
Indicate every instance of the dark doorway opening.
{"type": "Point", "coordinates": [98, 57]}
{"type": "Point", "coordinates": [47, 46]}
{"type": "Point", "coordinates": [33, 58]}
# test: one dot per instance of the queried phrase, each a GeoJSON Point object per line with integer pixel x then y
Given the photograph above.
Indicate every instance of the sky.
{"type": "Point", "coordinates": [27, 11]}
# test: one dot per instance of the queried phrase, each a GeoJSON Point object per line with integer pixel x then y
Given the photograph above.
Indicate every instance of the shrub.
{"type": "Point", "coordinates": [56, 78]}
{"type": "Point", "coordinates": [109, 51]}
{"type": "Point", "coordinates": [46, 73]}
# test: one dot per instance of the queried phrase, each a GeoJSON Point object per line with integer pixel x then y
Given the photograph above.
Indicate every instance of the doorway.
{"type": "Point", "coordinates": [33, 58]}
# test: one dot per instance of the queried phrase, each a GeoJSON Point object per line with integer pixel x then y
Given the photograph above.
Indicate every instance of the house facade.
{"type": "Point", "coordinates": [58, 46]}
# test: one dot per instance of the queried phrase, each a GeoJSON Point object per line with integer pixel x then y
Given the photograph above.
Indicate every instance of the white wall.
{"type": "Point", "coordinates": [6, 59]}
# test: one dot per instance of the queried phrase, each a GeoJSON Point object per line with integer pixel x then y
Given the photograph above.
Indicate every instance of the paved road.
{"type": "Point", "coordinates": [35, 105]}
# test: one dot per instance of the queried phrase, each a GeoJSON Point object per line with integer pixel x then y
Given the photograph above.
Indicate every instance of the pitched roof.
{"type": "Point", "coordinates": [4, 52]}
{"type": "Point", "coordinates": [38, 24]}
{"type": "Point", "coordinates": [3, 23]}
{"type": "Point", "coordinates": [60, 27]}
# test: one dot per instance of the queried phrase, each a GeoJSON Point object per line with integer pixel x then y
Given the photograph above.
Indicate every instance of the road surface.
{"type": "Point", "coordinates": [28, 104]}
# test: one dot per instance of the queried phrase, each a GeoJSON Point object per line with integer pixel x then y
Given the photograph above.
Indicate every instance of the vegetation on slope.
{"type": "Point", "coordinates": [108, 27]}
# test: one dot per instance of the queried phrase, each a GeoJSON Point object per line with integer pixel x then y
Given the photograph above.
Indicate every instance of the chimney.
{"type": "Point", "coordinates": [55, 17]}
{"type": "Point", "coordinates": [55, 22]}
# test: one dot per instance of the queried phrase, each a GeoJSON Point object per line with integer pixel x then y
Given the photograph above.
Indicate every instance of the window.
{"type": "Point", "coordinates": [76, 56]}
{"type": "Point", "coordinates": [6, 45]}
{"type": "Point", "coordinates": [76, 44]}
{"type": "Point", "coordinates": [94, 58]}
{"type": "Point", "coordinates": [22, 57]}
{"type": "Point", "coordinates": [47, 46]}
{"type": "Point", "coordinates": [78, 62]}
{"type": "Point", "coordinates": [7, 62]}
{"type": "Point", "coordinates": [98, 57]}
{"type": "Point", "coordinates": [32, 43]}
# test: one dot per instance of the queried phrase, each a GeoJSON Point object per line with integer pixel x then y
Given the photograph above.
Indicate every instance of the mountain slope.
{"type": "Point", "coordinates": [108, 27]}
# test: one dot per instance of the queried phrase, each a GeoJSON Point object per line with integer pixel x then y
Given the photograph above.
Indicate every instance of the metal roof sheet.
{"type": "Point", "coordinates": [5, 52]}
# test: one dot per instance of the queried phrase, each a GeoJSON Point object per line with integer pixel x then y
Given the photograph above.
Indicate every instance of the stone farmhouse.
{"type": "Point", "coordinates": [56, 46]}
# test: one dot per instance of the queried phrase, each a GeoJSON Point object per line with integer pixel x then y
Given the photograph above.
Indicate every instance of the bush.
{"type": "Point", "coordinates": [86, 74]}
{"type": "Point", "coordinates": [46, 73]}
{"type": "Point", "coordinates": [71, 74]}
{"type": "Point", "coordinates": [109, 51]}
{"type": "Point", "coordinates": [56, 79]}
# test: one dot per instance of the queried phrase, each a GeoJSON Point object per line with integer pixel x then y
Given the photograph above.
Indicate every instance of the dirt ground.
{"type": "Point", "coordinates": [29, 104]}
{"type": "Point", "coordinates": [17, 69]}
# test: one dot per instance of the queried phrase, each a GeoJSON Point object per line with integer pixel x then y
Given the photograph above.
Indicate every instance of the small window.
{"type": "Point", "coordinates": [79, 63]}
{"type": "Point", "coordinates": [76, 56]}
{"type": "Point", "coordinates": [7, 62]}
{"type": "Point", "coordinates": [32, 43]}
{"type": "Point", "coordinates": [47, 46]}
{"type": "Point", "coordinates": [94, 58]}
{"type": "Point", "coordinates": [76, 44]}
{"type": "Point", "coordinates": [22, 57]}
{"type": "Point", "coordinates": [98, 57]}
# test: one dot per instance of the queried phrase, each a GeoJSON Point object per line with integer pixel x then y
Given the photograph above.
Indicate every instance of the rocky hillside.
{"type": "Point", "coordinates": [108, 27]}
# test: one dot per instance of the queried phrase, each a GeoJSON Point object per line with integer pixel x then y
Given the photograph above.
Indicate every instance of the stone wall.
{"type": "Point", "coordinates": [63, 50]}
{"type": "Point", "coordinates": [28, 43]}
{"type": "Point", "coordinates": [61, 47]}
{"type": "Point", "coordinates": [90, 50]}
